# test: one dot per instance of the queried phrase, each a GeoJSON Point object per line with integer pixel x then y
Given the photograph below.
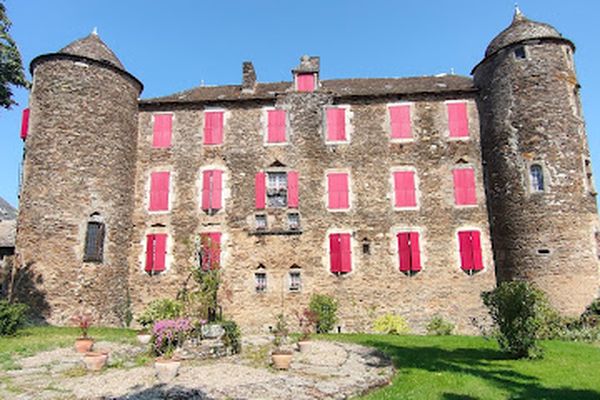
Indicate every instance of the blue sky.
{"type": "Point", "coordinates": [175, 45]}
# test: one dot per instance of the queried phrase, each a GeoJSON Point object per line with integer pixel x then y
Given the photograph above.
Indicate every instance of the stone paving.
{"type": "Point", "coordinates": [329, 370]}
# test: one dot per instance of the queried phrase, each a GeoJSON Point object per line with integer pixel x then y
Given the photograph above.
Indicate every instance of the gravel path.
{"type": "Point", "coordinates": [328, 371]}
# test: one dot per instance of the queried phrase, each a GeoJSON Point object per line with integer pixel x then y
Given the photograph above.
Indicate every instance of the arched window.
{"type": "Point", "coordinates": [537, 178]}
{"type": "Point", "coordinates": [94, 239]}
{"type": "Point", "coordinates": [260, 279]}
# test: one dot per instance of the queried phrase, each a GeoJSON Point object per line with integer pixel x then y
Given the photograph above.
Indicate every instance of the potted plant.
{"type": "Point", "coordinates": [83, 343]}
{"type": "Point", "coordinates": [306, 320]}
{"type": "Point", "coordinates": [168, 334]}
{"type": "Point", "coordinates": [280, 356]}
{"type": "Point", "coordinates": [95, 360]}
{"type": "Point", "coordinates": [143, 336]}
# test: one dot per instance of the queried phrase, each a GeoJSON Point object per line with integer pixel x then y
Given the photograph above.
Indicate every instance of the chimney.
{"type": "Point", "coordinates": [248, 77]}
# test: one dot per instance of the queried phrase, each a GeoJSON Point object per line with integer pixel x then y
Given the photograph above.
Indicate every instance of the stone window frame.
{"type": "Point", "coordinates": [392, 195]}
{"type": "Point", "coordinates": [148, 185]}
{"type": "Point", "coordinates": [354, 247]}
{"type": "Point", "coordinates": [265, 126]}
{"type": "Point", "coordinates": [261, 269]}
{"type": "Point", "coordinates": [478, 196]}
{"type": "Point", "coordinates": [95, 219]}
{"type": "Point", "coordinates": [156, 230]}
{"type": "Point", "coordinates": [315, 76]}
{"type": "Point", "coordinates": [173, 122]}
{"type": "Point", "coordinates": [588, 176]}
{"type": "Point", "coordinates": [395, 251]}
{"type": "Point", "coordinates": [289, 217]}
{"type": "Point", "coordinates": [388, 122]}
{"type": "Point", "coordinates": [295, 269]}
{"type": "Point", "coordinates": [351, 199]}
{"type": "Point", "coordinates": [525, 53]}
{"type": "Point", "coordinates": [484, 240]}
{"type": "Point", "coordinates": [545, 174]}
{"type": "Point", "coordinates": [348, 117]}
{"type": "Point", "coordinates": [272, 171]}
{"type": "Point", "coordinates": [226, 115]}
{"type": "Point", "coordinates": [256, 226]}
{"type": "Point", "coordinates": [225, 192]}
{"type": "Point", "coordinates": [447, 121]}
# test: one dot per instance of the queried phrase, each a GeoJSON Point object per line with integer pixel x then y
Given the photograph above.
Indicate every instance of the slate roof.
{"type": "Point", "coordinates": [339, 87]}
{"type": "Point", "coordinates": [92, 47]}
{"type": "Point", "coordinates": [8, 231]}
{"type": "Point", "coordinates": [6, 210]}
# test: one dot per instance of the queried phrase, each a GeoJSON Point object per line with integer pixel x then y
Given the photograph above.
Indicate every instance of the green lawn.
{"type": "Point", "coordinates": [462, 367]}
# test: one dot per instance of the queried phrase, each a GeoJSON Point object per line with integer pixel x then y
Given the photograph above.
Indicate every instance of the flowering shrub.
{"type": "Point", "coordinates": [170, 333]}
{"type": "Point", "coordinates": [83, 320]}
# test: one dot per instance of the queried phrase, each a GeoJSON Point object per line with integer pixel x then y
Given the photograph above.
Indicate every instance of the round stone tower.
{"type": "Point", "coordinates": [76, 201]}
{"type": "Point", "coordinates": [540, 191]}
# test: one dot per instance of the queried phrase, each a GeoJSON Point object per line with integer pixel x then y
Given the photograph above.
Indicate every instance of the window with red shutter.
{"type": "Point", "coordinates": [337, 191]}
{"type": "Point", "coordinates": [305, 82]}
{"type": "Point", "coordinates": [400, 121]}
{"type": "Point", "coordinates": [340, 253]}
{"type": "Point", "coordinates": [464, 187]}
{"type": "Point", "coordinates": [470, 251]}
{"type": "Point", "coordinates": [212, 190]}
{"type": "Point", "coordinates": [458, 122]}
{"type": "Point", "coordinates": [404, 189]}
{"type": "Point", "coordinates": [159, 191]}
{"type": "Point", "coordinates": [409, 253]}
{"type": "Point", "coordinates": [25, 124]}
{"type": "Point", "coordinates": [292, 189]}
{"type": "Point", "coordinates": [260, 190]}
{"type": "Point", "coordinates": [210, 256]}
{"type": "Point", "coordinates": [156, 250]}
{"type": "Point", "coordinates": [276, 126]}
{"type": "Point", "coordinates": [162, 131]}
{"type": "Point", "coordinates": [336, 124]}
{"type": "Point", "coordinates": [213, 127]}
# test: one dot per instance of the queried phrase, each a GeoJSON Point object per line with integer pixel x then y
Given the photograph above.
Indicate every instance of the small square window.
{"type": "Point", "coordinates": [294, 221]}
{"type": "Point", "coordinates": [261, 222]}
{"type": "Point", "coordinates": [277, 189]}
{"type": "Point", "coordinates": [295, 281]}
{"type": "Point", "coordinates": [260, 282]}
{"type": "Point", "coordinates": [520, 53]}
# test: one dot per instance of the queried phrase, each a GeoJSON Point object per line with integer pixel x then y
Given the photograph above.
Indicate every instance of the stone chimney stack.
{"type": "Point", "coordinates": [248, 77]}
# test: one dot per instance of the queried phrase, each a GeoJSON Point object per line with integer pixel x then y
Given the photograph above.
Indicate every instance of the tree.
{"type": "Point", "coordinates": [11, 66]}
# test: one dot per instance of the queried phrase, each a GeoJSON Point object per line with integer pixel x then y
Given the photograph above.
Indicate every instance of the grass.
{"type": "Point", "coordinates": [469, 368]}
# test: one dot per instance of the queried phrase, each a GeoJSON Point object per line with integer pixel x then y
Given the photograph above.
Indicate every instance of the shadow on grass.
{"type": "Point", "coordinates": [480, 363]}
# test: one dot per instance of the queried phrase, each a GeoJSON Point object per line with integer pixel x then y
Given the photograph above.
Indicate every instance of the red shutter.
{"type": "Point", "coordinates": [25, 124]}
{"type": "Point", "coordinates": [346, 253]}
{"type": "Point", "coordinates": [159, 191]}
{"type": "Point", "coordinates": [404, 251]}
{"type": "Point", "coordinates": [212, 186]}
{"type": "Point", "coordinates": [211, 250]}
{"type": "Point", "coordinates": [292, 179]}
{"type": "Point", "coordinates": [476, 247]}
{"type": "Point", "coordinates": [464, 186]}
{"type": "Point", "coordinates": [466, 250]}
{"type": "Point", "coordinates": [163, 125]}
{"type": "Point", "coordinates": [404, 188]}
{"type": "Point", "coordinates": [337, 186]}
{"type": "Point", "coordinates": [458, 123]}
{"type": "Point", "coordinates": [336, 124]}
{"type": "Point", "coordinates": [160, 251]}
{"type": "Point", "coordinates": [400, 122]}
{"type": "Point", "coordinates": [305, 82]}
{"type": "Point", "coordinates": [206, 198]}
{"type": "Point", "coordinates": [335, 255]}
{"type": "Point", "coordinates": [415, 252]}
{"type": "Point", "coordinates": [213, 127]}
{"type": "Point", "coordinates": [259, 190]}
{"type": "Point", "coordinates": [149, 252]}
{"type": "Point", "coordinates": [276, 126]}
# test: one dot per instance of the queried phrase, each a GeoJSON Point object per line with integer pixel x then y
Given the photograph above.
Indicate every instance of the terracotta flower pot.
{"type": "Point", "coordinates": [83, 345]}
{"type": "Point", "coordinates": [304, 346]}
{"type": "Point", "coordinates": [144, 338]}
{"type": "Point", "coordinates": [95, 361]}
{"type": "Point", "coordinates": [166, 369]}
{"type": "Point", "coordinates": [281, 359]}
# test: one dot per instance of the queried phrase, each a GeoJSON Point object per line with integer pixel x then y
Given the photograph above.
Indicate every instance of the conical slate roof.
{"type": "Point", "coordinates": [6, 210]}
{"type": "Point", "coordinates": [92, 47]}
{"type": "Point", "coordinates": [521, 29]}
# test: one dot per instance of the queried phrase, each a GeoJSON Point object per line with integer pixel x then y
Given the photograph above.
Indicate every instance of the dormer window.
{"type": "Point", "coordinates": [305, 82]}
{"type": "Point", "coordinates": [306, 75]}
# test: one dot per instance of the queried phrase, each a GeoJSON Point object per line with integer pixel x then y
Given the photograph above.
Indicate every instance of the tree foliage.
{"type": "Point", "coordinates": [11, 65]}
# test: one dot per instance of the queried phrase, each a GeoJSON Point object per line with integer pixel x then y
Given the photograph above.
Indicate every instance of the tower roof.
{"type": "Point", "coordinates": [92, 47]}
{"type": "Point", "coordinates": [521, 29]}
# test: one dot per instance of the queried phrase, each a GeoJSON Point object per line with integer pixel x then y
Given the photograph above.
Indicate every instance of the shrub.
{"type": "Point", "coordinates": [391, 324]}
{"type": "Point", "coordinates": [325, 309]}
{"type": "Point", "coordinates": [12, 317]}
{"type": "Point", "coordinates": [168, 334]}
{"type": "Point", "coordinates": [439, 327]}
{"type": "Point", "coordinates": [160, 309]}
{"type": "Point", "coordinates": [232, 337]}
{"type": "Point", "coordinates": [591, 315]}
{"type": "Point", "coordinates": [521, 313]}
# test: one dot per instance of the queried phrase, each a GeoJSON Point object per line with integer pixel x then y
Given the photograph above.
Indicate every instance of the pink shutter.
{"type": "Point", "coordinates": [160, 251]}
{"type": "Point", "coordinates": [305, 82]}
{"type": "Point", "coordinates": [163, 126]}
{"type": "Point", "coordinates": [206, 177]}
{"type": "Point", "coordinates": [159, 191]}
{"type": "Point", "coordinates": [259, 190]}
{"type": "Point", "coordinates": [404, 251]}
{"type": "Point", "coordinates": [458, 123]}
{"type": "Point", "coordinates": [476, 247]}
{"type": "Point", "coordinates": [337, 185]}
{"type": "Point", "coordinates": [404, 188]}
{"type": "Point", "coordinates": [400, 122]}
{"type": "Point", "coordinates": [213, 127]}
{"type": "Point", "coordinates": [149, 252]}
{"type": "Point", "coordinates": [346, 253]}
{"type": "Point", "coordinates": [292, 179]}
{"type": "Point", "coordinates": [25, 124]}
{"type": "Point", "coordinates": [464, 186]}
{"type": "Point", "coordinates": [211, 250]}
{"type": "Point", "coordinates": [335, 255]}
{"type": "Point", "coordinates": [466, 250]}
{"type": "Point", "coordinates": [415, 252]}
{"type": "Point", "coordinates": [276, 126]}
{"type": "Point", "coordinates": [217, 189]}
{"type": "Point", "coordinates": [336, 124]}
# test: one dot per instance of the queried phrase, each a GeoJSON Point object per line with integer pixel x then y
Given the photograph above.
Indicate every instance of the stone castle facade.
{"type": "Point", "coordinates": [409, 196]}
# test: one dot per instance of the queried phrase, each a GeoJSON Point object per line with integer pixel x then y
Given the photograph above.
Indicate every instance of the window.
{"type": "Point", "coordinates": [210, 251]}
{"type": "Point", "coordinates": [366, 246]}
{"type": "Point", "coordinates": [458, 123]}
{"type": "Point", "coordinates": [276, 126]}
{"type": "Point", "coordinates": [156, 249]}
{"type": "Point", "coordinates": [537, 178]}
{"type": "Point", "coordinates": [470, 251]}
{"type": "Point", "coordinates": [520, 53]}
{"type": "Point", "coordinates": [260, 282]}
{"type": "Point", "coordinates": [404, 189]}
{"type": "Point", "coordinates": [409, 254]}
{"type": "Point", "coordinates": [261, 222]}
{"type": "Point", "coordinates": [295, 280]}
{"type": "Point", "coordinates": [293, 221]}
{"type": "Point", "coordinates": [25, 124]}
{"type": "Point", "coordinates": [305, 82]}
{"type": "Point", "coordinates": [162, 131]}
{"type": "Point", "coordinates": [340, 253]}
{"type": "Point", "coordinates": [400, 121]}
{"type": "Point", "coordinates": [159, 191]}
{"type": "Point", "coordinates": [94, 242]}
{"type": "Point", "coordinates": [337, 191]}
{"type": "Point", "coordinates": [336, 124]}
{"type": "Point", "coordinates": [464, 187]}
{"type": "Point", "coordinates": [213, 127]}
{"type": "Point", "coordinates": [587, 166]}
{"type": "Point", "coordinates": [212, 189]}
{"type": "Point", "coordinates": [276, 189]}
